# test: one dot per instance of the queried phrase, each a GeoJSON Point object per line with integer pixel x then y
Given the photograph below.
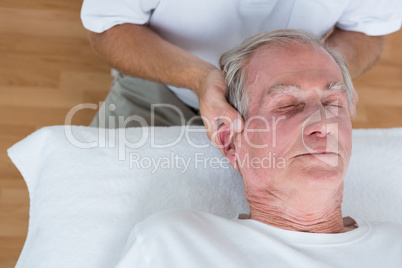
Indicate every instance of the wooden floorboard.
{"type": "Point", "coordinates": [47, 67]}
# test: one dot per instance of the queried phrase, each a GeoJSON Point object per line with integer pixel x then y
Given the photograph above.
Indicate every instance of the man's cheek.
{"type": "Point", "coordinates": [345, 137]}
{"type": "Point", "coordinates": [285, 134]}
{"type": "Point", "coordinates": [257, 138]}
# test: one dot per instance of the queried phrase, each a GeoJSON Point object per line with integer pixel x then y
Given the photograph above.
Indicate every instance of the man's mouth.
{"type": "Point", "coordinates": [323, 155]}
{"type": "Point", "coordinates": [319, 153]}
{"type": "Point", "coordinates": [327, 157]}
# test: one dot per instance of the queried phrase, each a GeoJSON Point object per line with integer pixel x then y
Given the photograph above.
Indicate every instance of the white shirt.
{"type": "Point", "coordinates": [207, 28]}
{"type": "Point", "coordinates": [184, 238]}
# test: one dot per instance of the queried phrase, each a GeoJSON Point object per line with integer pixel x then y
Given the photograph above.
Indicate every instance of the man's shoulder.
{"type": "Point", "coordinates": [386, 226]}
{"type": "Point", "coordinates": [179, 220]}
{"type": "Point", "coordinates": [180, 214]}
{"type": "Point", "coordinates": [385, 230]}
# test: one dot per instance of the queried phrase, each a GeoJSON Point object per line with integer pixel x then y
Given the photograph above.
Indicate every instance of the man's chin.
{"type": "Point", "coordinates": [318, 168]}
{"type": "Point", "coordinates": [317, 180]}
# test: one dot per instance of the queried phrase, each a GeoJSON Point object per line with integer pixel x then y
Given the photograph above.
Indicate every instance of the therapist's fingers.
{"type": "Point", "coordinates": [215, 109]}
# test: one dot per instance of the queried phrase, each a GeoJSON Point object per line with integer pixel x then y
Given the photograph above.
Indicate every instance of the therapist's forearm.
{"type": "Point", "coordinates": [359, 50]}
{"type": "Point", "coordinates": [136, 50]}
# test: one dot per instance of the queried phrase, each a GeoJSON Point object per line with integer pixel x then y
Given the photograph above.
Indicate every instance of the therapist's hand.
{"type": "Point", "coordinates": [215, 108]}
{"type": "Point", "coordinates": [138, 51]}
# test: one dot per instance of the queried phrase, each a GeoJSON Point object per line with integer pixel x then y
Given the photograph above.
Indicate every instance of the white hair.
{"type": "Point", "coordinates": [234, 61]}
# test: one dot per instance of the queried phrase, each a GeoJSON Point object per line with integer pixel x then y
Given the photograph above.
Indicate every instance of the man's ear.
{"type": "Point", "coordinates": [226, 144]}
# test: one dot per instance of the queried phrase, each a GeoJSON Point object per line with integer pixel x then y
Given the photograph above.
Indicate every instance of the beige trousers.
{"type": "Point", "coordinates": [134, 102]}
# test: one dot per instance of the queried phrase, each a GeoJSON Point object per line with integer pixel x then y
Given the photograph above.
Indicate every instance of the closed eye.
{"type": "Point", "coordinates": [290, 108]}
{"type": "Point", "coordinates": [333, 105]}
{"type": "Point", "coordinates": [334, 101]}
{"type": "Point", "coordinates": [287, 106]}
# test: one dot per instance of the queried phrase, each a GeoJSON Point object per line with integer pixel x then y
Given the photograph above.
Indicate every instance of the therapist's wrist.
{"type": "Point", "coordinates": [198, 83]}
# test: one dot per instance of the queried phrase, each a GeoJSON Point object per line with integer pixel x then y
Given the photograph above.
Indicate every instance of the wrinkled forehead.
{"type": "Point", "coordinates": [282, 68]}
{"type": "Point", "coordinates": [278, 50]}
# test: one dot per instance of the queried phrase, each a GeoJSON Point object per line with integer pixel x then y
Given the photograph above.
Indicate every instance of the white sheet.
{"type": "Point", "coordinates": [84, 202]}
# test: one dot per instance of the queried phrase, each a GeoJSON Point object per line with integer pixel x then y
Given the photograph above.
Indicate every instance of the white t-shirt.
{"type": "Point", "coordinates": [184, 238]}
{"type": "Point", "coordinates": [207, 28]}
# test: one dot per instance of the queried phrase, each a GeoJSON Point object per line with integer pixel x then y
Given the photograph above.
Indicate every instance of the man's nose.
{"type": "Point", "coordinates": [319, 124]}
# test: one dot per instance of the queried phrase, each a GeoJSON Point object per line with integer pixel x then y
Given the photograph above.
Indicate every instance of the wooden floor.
{"type": "Point", "coordinates": [47, 67]}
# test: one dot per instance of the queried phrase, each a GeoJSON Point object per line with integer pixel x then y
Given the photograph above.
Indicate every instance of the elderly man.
{"type": "Point", "coordinates": [297, 99]}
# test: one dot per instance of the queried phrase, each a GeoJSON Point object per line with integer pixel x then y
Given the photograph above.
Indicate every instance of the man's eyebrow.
{"type": "Point", "coordinates": [337, 86]}
{"type": "Point", "coordinates": [291, 88]}
{"type": "Point", "coordinates": [283, 88]}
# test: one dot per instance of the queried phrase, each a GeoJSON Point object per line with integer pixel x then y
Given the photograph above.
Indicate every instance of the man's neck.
{"type": "Point", "coordinates": [314, 216]}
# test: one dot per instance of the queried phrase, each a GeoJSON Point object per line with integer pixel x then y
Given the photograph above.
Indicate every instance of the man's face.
{"type": "Point", "coordinates": [298, 124]}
